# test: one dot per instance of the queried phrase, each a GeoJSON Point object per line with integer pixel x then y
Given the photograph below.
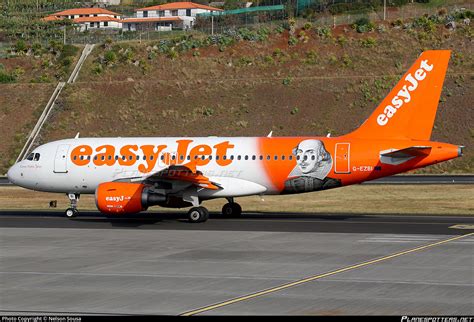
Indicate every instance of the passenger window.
{"type": "Point", "coordinates": [217, 157]}
{"type": "Point", "coordinates": [224, 157]}
{"type": "Point", "coordinates": [275, 157]}
{"type": "Point", "coordinates": [261, 157]}
{"type": "Point", "coordinates": [268, 157]}
{"type": "Point", "coordinates": [151, 157]}
{"type": "Point", "coordinates": [189, 157]}
{"type": "Point", "coordinates": [162, 157]}
{"type": "Point", "coordinates": [239, 157]}
{"type": "Point", "coordinates": [254, 157]}
{"type": "Point", "coordinates": [131, 157]}
{"type": "Point", "coordinates": [232, 157]}
{"type": "Point", "coordinates": [290, 157]}
{"type": "Point", "coordinates": [210, 157]}
{"type": "Point", "coordinates": [282, 157]}
{"type": "Point", "coordinates": [102, 158]}
{"type": "Point", "coordinates": [109, 157]}
{"type": "Point", "coordinates": [95, 157]}
{"type": "Point", "coordinates": [138, 157]}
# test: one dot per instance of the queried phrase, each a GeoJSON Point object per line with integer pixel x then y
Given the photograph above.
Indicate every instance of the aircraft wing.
{"type": "Point", "coordinates": [398, 156]}
{"type": "Point", "coordinates": [186, 174]}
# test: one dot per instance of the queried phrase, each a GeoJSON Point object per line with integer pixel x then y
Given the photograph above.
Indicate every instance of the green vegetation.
{"type": "Point", "coordinates": [254, 75]}
{"type": "Point", "coordinates": [368, 42]}
{"type": "Point", "coordinates": [6, 77]}
{"type": "Point", "coordinates": [363, 25]}
{"type": "Point", "coordinates": [54, 58]}
{"type": "Point", "coordinates": [295, 111]}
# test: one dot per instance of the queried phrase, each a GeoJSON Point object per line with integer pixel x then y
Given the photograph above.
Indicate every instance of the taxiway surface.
{"type": "Point", "coordinates": [262, 263]}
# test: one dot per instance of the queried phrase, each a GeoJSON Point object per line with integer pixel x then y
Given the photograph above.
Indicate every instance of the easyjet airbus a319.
{"type": "Point", "coordinates": [129, 175]}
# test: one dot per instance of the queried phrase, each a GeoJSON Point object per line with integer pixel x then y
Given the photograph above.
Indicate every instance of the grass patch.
{"type": "Point", "coordinates": [358, 199]}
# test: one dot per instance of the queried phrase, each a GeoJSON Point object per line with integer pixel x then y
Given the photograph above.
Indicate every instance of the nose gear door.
{"type": "Point", "coordinates": [60, 161]}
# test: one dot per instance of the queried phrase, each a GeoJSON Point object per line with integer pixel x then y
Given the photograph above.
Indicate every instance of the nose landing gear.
{"type": "Point", "coordinates": [72, 212]}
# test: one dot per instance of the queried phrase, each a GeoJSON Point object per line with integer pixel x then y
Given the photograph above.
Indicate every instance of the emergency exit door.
{"type": "Point", "coordinates": [343, 157]}
{"type": "Point", "coordinates": [60, 161]}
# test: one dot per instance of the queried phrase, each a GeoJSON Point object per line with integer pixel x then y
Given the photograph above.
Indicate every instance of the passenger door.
{"type": "Point", "coordinates": [342, 164]}
{"type": "Point", "coordinates": [60, 161]}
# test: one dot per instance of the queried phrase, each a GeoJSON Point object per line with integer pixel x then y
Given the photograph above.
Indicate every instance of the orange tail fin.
{"type": "Point", "coordinates": [409, 110]}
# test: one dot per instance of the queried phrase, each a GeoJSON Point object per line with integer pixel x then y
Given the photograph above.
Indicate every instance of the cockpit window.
{"type": "Point", "coordinates": [33, 157]}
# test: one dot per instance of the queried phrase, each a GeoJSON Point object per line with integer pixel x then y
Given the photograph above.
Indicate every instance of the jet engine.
{"type": "Point", "coordinates": [125, 198]}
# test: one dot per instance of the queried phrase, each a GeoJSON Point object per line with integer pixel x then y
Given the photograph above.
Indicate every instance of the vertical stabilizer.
{"type": "Point", "coordinates": [409, 110]}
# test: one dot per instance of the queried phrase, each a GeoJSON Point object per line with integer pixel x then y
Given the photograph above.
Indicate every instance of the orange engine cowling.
{"type": "Point", "coordinates": [125, 198]}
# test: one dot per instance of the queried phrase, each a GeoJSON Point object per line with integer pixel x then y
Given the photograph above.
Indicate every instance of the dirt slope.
{"type": "Point", "coordinates": [320, 84]}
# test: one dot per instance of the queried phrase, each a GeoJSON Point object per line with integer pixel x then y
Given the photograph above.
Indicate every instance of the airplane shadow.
{"type": "Point", "coordinates": [154, 218]}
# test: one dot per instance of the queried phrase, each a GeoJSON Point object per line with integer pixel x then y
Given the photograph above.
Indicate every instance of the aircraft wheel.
{"type": "Point", "coordinates": [232, 209]}
{"type": "Point", "coordinates": [71, 212]}
{"type": "Point", "coordinates": [198, 214]}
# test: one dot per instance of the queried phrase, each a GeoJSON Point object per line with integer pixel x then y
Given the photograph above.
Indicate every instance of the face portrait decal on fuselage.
{"type": "Point", "coordinates": [312, 159]}
{"type": "Point", "coordinates": [313, 164]}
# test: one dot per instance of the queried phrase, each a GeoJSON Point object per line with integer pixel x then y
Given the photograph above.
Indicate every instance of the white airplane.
{"type": "Point", "coordinates": [129, 175]}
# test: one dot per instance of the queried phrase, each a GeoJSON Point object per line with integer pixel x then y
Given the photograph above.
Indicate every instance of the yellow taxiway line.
{"type": "Point", "coordinates": [316, 277]}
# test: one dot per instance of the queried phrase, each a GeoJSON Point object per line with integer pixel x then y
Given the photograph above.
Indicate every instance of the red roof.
{"type": "Point", "coordinates": [96, 19]}
{"type": "Point", "coordinates": [179, 5]}
{"type": "Point", "coordinates": [85, 11]}
{"type": "Point", "coordinates": [51, 18]}
{"type": "Point", "coordinates": [138, 20]}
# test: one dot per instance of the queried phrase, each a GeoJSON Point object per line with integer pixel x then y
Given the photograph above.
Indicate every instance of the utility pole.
{"type": "Point", "coordinates": [212, 23]}
{"type": "Point", "coordinates": [384, 10]}
{"type": "Point", "coordinates": [64, 40]}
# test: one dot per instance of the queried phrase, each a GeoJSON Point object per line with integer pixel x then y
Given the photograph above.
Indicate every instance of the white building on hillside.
{"type": "Point", "coordinates": [89, 18]}
{"type": "Point", "coordinates": [170, 15]}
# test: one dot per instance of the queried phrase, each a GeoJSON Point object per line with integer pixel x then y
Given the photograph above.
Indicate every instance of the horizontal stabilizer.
{"type": "Point", "coordinates": [416, 151]}
{"type": "Point", "coordinates": [398, 156]}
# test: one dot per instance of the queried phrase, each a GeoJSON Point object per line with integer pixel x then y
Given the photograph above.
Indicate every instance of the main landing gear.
{"type": "Point", "coordinates": [72, 212]}
{"type": "Point", "coordinates": [198, 214]}
{"type": "Point", "coordinates": [231, 209]}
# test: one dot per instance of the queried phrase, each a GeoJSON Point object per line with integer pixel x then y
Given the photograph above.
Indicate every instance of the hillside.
{"type": "Point", "coordinates": [316, 81]}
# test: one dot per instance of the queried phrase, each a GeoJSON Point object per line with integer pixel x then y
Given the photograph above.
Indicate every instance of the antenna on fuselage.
{"type": "Point", "coordinates": [77, 136]}
{"type": "Point", "coordinates": [270, 134]}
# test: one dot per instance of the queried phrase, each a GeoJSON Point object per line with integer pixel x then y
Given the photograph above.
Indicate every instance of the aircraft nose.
{"type": "Point", "coordinates": [13, 174]}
